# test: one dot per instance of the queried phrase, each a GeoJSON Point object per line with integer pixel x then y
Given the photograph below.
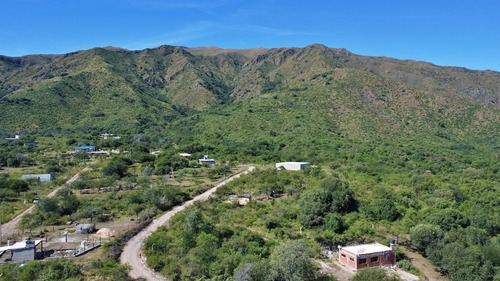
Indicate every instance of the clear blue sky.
{"type": "Point", "coordinates": [445, 32]}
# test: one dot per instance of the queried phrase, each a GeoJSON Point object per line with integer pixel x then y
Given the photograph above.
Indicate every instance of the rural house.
{"type": "Point", "coordinates": [41, 177]}
{"type": "Point", "coordinates": [87, 148]}
{"type": "Point", "coordinates": [85, 228]}
{"type": "Point", "coordinates": [24, 250]}
{"type": "Point", "coordinates": [292, 166]}
{"type": "Point", "coordinates": [206, 160]}
{"type": "Point", "coordinates": [367, 255]}
{"type": "Point", "coordinates": [16, 137]}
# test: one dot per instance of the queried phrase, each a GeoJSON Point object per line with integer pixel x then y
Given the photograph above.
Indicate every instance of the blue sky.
{"type": "Point", "coordinates": [452, 33]}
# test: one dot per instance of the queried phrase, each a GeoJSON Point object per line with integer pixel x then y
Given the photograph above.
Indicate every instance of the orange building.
{"type": "Point", "coordinates": [367, 255]}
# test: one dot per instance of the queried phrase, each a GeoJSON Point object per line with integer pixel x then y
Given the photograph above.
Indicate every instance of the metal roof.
{"type": "Point", "coordinates": [19, 245]}
{"type": "Point", "coordinates": [367, 249]}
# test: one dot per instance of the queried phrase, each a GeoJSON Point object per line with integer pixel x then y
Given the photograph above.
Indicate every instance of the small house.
{"type": "Point", "coordinates": [367, 255]}
{"type": "Point", "coordinates": [85, 228]}
{"type": "Point", "coordinates": [242, 199]}
{"type": "Point", "coordinates": [292, 166]}
{"type": "Point", "coordinates": [24, 250]}
{"type": "Point", "coordinates": [206, 160]}
{"type": "Point", "coordinates": [106, 136]}
{"type": "Point", "coordinates": [185, 155]}
{"type": "Point", "coordinates": [40, 177]}
{"type": "Point", "coordinates": [86, 148]}
{"type": "Point", "coordinates": [16, 137]}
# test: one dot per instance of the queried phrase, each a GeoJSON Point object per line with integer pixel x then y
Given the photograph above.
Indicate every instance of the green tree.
{"type": "Point", "coordinates": [115, 167]}
{"type": "Point", "coordinates": [17, 185]}
{"type": "Point", "coordinates": [462, 263]}
{"type": "Point", "coordinates": [48, 205]}
{"type": "Point", "coordinates": [291, 261]}
{"type": "Point", "coordinates": [68, 203]}
{"type": "Point", "coordinates": [314, 204]}
{"type": "Point", "coordinates": [448, 219]}
{"type": "Point", "coordinates": [166, 162]}
{"type": "Point", "coordinates": [425, 235]}
{"type": "Point", "coordinates": [334, 222]}
{"type": "Point", "coordinates": [332, 195]}
{"type": "Point", "coordinates": [197, 261]}
{"type": "Point", "coordinates": [193, 224]}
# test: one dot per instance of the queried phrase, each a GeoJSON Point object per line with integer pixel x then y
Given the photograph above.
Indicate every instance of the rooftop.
{"type": "Point", "coordinates": [367, 248]}
{"type": "Point", "coordinates": [20, 245]}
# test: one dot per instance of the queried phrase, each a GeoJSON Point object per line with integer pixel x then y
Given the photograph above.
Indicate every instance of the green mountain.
{"type": "Point", "coordinates": [313, 87]}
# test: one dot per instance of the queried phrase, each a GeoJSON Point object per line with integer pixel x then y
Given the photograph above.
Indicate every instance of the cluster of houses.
{"type": "Point", "coordinates": [29, 249]}
{"type": "Point", "coordinates": [354, 257]}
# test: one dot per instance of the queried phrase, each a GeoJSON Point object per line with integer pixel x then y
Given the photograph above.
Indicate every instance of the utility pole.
{"type": "Point", "coordinates": [1, 219]}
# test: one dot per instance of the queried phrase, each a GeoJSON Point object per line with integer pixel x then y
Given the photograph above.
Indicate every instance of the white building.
{"type": "Point", "coordinates": [206, 160]}
{"type": "Point", "coordinates": [292, 166]}
{"type": "Point", "coordinates": [40, 177]}
{"type": "Point", "coordinates": [16, 137]}
{"type": "Point", "coordinates": [24, 250]}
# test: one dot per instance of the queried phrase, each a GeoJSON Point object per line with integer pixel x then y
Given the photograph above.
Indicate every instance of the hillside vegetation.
{"type": "Point", "coordinates": [398, 148]}
{"type": "Point", "coordinates": [126, 91]}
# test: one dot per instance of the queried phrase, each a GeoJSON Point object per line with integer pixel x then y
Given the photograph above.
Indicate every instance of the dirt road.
{"type": "Point", "coordinates": [10, 227]}
{"type": "Point", "coordinates": [424, 265]}
{"type": "Point", "coordinates": [132, 251]}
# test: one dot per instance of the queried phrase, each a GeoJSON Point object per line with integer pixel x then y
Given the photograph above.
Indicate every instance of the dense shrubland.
{"type": "Point", "coordinates": [357, 191]}
{"type": "Point", "coordinates": [369, 192]}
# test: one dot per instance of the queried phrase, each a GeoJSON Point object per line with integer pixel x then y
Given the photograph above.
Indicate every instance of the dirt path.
{"type": "Point", "coordinates": [132, 252]}
{"type": "Point", "coordinates": [342, 273]}
{"type": "Point", "coordinates": [424, 265]}
{"type": "Point", "coordinates": [10, 227]}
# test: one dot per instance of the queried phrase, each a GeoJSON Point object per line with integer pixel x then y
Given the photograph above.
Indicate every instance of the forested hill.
{"type": "Point", "coordinates": [114, 89]}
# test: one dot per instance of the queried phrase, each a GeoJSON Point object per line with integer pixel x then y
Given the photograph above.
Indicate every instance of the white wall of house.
{"type": "Point", "coordinates": [292, 166]}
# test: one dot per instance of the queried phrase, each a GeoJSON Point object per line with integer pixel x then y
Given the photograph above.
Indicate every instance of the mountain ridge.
{"type": "Point", "coordinates": [113, 88]}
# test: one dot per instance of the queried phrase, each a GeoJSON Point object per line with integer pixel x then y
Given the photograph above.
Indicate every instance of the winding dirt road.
{"type": "Point", "coordinates": [132, 251]}
{"type": "Point", "coordinates": [11, 227]}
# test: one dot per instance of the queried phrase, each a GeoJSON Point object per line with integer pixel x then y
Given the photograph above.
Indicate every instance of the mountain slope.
{"type": "Point", "coordinates": [363, 97]}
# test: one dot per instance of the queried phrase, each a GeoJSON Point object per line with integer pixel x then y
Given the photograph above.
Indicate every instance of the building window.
{"type": "Point", "coordinates": [362, 261]}
{"type": "Point", "coordinates": [374, 259]}
{"type": "Point", "coordinates": [342, 255]}
{"type": "Point", "coordinates": [351, 259]}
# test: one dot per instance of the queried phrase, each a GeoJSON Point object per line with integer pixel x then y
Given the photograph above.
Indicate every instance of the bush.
{"type": "Point", "coordinates": [408, 266]}
{"type": "Point", "coordinates": [115, 167]}
{"type": "Point", "coordinates": [426, 235]}
{"type": "Point", "coordinates": [373, 274]}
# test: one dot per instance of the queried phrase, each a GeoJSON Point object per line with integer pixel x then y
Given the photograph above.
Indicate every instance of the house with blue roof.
{"type": "Point", "coordinates": [86, 148]}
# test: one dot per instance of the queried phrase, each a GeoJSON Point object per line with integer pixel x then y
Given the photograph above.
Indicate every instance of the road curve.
{"type": "Point", "coordinates": [132, 251]}
{"type": "Point", "coordinates": [11, 227]}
